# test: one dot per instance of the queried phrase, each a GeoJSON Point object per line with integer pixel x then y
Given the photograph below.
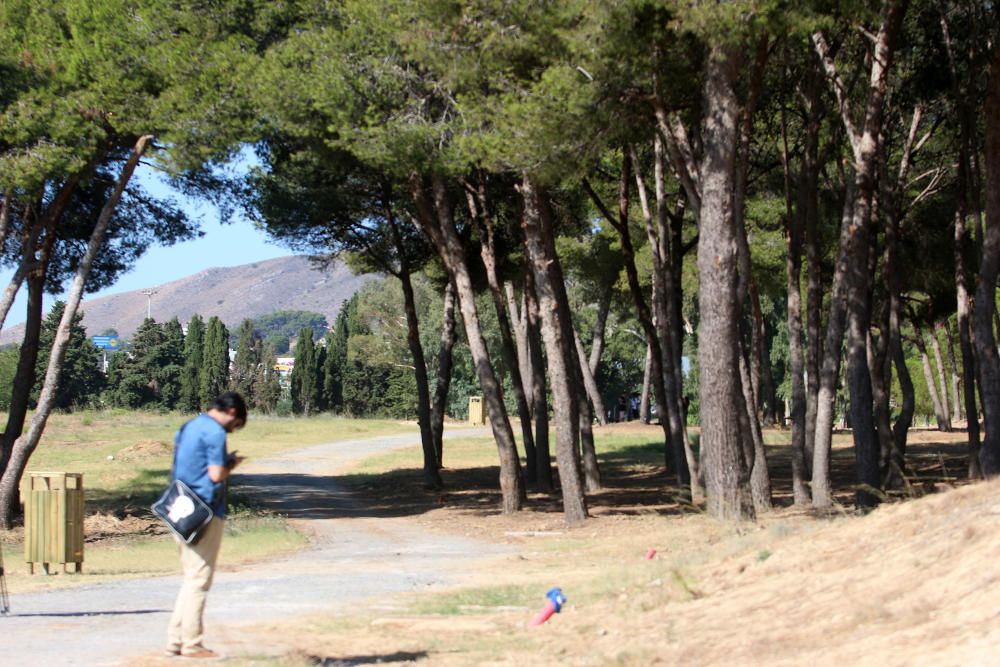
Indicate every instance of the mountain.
{"type": "Point", "coordinates": [231, 293]}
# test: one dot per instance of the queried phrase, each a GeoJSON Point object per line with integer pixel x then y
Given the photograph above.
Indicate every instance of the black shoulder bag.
{"type": "Point", "coordinates": [180, 508]}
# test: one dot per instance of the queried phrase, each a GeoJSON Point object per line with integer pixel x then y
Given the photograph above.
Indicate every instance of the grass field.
{"type": "Point", "coordinates": [125, 458]}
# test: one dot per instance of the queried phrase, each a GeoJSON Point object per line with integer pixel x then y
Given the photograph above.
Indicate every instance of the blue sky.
{"type": "Point", "coordinates": [231, 244]}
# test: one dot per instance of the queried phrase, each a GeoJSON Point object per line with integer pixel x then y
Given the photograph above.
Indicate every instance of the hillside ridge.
{"type": "Point", "coordinates": [231, 293]}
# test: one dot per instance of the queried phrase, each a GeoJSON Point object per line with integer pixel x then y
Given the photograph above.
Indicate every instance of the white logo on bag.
{"type": "Point", "coordinates": [181, 508]}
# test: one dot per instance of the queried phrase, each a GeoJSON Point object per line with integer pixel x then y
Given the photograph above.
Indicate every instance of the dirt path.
{"type": "Point", "coordinates": [356, 558]}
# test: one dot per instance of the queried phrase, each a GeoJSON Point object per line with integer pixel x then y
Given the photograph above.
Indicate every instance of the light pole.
{"type": "Point", "coordinates": [149, 302]}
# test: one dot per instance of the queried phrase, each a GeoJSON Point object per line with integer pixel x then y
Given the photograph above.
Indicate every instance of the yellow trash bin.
{"type": "Point", "coordinates": [53, 519]}
{"type": "Point", "coordinates": [477, 416]}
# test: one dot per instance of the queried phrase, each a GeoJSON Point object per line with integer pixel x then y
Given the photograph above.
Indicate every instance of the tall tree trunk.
{"type": "Point", "coordinates": [746, 291]}
{"type": "Point", "coordinates": [901, 427]}
{"type": "Point", "coordinates": [588, 450]}
{"type": "Point", "coordinates": [478, 209]}
{"type": "Point", "coordinates": [830, 367]}
{"type": "Point", "coordinates": [883, 353]}
{"type": "Point", "coordinates": [557, 334]}
{"type": "Point", "coordinates": [760, 479]}
{"type": "Point", "coordinates": [591, 471]}
{"type": "Point", "coordinates": [519, 322]}
{"type": "Point", "coordinates": [989, 267]}
{"type": "Point", "coordinates": [808, 202]}
{"type": "Point", "coordinates": [445, 348]}
{"type": "Point", "coordinates": [25, 445]}
{"type": "Point", "coordinates": [674, 458]}
{"type": "Point", "coordinates": [432, 478]}
{"type": "Point", "coordinates": [665, 312]}
{"type": "Point", "coordinates": [853, 262]}
{"type": "Point", "coordinates": [725, 466]}
{"type": "Point", "coordinates": [597, 344]}
{"type": "Point", "coordinates": [866, 445]}
{"type": "Point", "coordinates": [939, 413]}
{"type": "Point", "coordinates": [767, 399]}
{"type": "Point", "coordinates": [880, 369]}
{"type": "Point", "coordinates": [955, 382]}
{"type": "Point", "coordinates": [437, 222]}
{"type": "Point", "coordinates": [644, 397]}
{"type": "Point", "coordinates": [796, 357]}
{"type": "Point", "coordinates": [24, 380]}
{"type": "Point", "coordinates": [589, 383]}
{"type": "Point", "coordinates": [942, 383]}
{"type": "Point", "coordinates": [540, 409]}
{"type": "Point", "coordinates": [750, 365]}
{"type": "Point", "coordinates": [671, 253]}
{"type": "Point", "coordinates": [963, 182]}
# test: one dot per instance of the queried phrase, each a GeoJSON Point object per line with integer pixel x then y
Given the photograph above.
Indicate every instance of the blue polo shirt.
{"type": "Point", "coordinates": [200, 443]}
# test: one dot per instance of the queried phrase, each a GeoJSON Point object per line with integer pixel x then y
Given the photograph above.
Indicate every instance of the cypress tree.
{"type": "Point", "coordinates": [215, 366]}
{"type": "Point", "coordinates": [267, 382]}
{"type": "Point", "coordinates": [336, 359]}
{"type": "Point", "coordinates": [190, 380]}
{"type": "Point", "coordinates": [170, 359]}
{"type": "Point", "coordinates": [304, 375]}
{"type": "Point", "coordinates": [246, 361]}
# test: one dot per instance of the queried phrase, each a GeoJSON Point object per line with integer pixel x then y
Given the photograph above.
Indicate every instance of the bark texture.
{"type": "Point", "coordinates": [25, 445]}
{"type": "Point", "coordinates": [445, 348]}
{"type": "Point", "coordinates": [989, 268]}
{"type": "Point", "coordinates": [558, 338]}
{"type": "Point", "coordinates": [722, 439]}
{"type": "Point", "coordinates": [436, 220]}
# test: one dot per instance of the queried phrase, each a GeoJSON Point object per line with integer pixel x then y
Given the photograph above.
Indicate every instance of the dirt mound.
{"type": "Point", "coordinates": [144, 449]}
{"type": "Point", "coordinates": [100, 527]}
{"type": "Point", "coordinates": [912, 583]}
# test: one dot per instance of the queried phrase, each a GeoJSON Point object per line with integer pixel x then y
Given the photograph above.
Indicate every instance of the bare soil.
{"type": "Point", "coordinates": [915, 582]}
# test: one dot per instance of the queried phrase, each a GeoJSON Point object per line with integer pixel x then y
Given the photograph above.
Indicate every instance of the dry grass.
{"type": "Point", "coordinates": [125, 459]}
{"type": "Point", "coordinates": [913, 583]}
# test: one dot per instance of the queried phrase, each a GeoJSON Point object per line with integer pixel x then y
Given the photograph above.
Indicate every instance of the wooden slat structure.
{"type": "Point", "coordinates": [53, 519]}
{"type": "Point", "coordinates": [477, 415]}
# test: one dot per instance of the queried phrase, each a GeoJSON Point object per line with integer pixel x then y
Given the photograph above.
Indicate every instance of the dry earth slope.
{"type": "Point", "coordinates": [913, 583]}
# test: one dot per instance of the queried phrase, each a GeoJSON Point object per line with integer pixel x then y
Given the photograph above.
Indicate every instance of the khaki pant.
{"type": "Point", "coordinates": [198, 562]}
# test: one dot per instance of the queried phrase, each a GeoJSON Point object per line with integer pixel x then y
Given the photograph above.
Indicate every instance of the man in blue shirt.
{"type": "Point", "coordinates": [202, 462]}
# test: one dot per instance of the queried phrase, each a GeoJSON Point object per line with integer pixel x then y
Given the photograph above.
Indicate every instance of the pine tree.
{"type": "Point", "coordinates": [304, 375]}
{"type": "Point", "coordinates": [190, 380]}
{"type": "Point", "coordinates": [215, 361]}
{"type": "Point", "coordinates": [81, 379]}
{"type": "Point", "coordinates": [149, 375]}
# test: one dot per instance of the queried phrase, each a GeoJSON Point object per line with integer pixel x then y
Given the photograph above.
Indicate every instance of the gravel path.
{"type": "Point", "coordinates": [355, 558]}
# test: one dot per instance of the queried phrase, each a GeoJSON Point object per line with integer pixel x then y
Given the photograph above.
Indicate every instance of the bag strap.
{"type": "Point", "coordinates": [177, 445]}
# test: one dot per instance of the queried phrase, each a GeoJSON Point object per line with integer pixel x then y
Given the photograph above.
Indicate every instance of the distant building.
{"type": "Point", "coordinates": [284, 366]}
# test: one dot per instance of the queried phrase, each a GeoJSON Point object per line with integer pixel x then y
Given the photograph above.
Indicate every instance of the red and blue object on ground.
{"type": "Point", "coordinates": [553, 605]}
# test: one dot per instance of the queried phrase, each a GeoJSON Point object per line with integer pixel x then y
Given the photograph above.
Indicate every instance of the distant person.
{"type": "Point", "coordinates": [202, 462]}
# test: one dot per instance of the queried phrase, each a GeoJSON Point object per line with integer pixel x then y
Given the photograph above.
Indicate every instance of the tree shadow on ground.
{"type": "Point", "coordinates": [141, 492]}
{"type": "Point", "coordinates": [633, 482]}
{"type": "Point", "coordinates": [346, 661]}
{"type": "Point", "coordinates": [930, 467]}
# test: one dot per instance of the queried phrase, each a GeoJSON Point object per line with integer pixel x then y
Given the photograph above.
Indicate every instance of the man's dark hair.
{"type": "Point", "coordinates": [230, 400]}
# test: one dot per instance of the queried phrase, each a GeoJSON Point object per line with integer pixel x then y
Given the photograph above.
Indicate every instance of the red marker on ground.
{"type": "Point", "coordinates": [650, 554]}
{"type": "Point", "coordinates": [553, 605]}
